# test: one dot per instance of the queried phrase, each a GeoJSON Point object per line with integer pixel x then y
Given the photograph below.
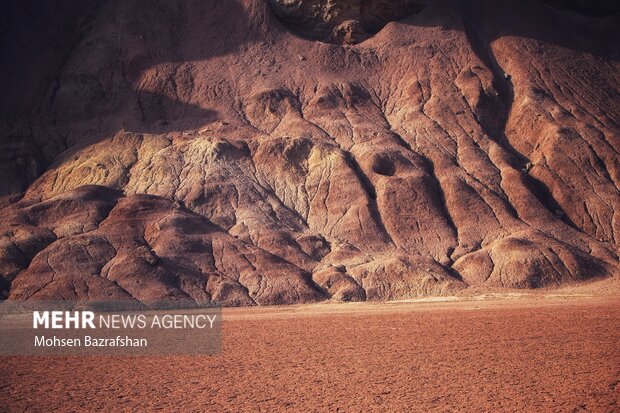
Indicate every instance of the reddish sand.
{"type": "Point", "coordinates": [541, 353]}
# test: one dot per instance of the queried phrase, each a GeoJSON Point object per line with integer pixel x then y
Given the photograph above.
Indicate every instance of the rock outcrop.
{"type": "Point", "coordinates": [342, 21]}
{"type": "Point", "coordinates": [268, 152]}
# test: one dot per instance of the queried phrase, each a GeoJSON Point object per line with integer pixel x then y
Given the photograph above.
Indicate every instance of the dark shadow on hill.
{"type": "Point", "coordinates": [115, 40]}
{"type": "Point", "coordinates": [588, 27]}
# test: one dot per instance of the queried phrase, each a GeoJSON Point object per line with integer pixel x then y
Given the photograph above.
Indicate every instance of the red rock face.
{"type": "Point", "coordinates": [205, 149]}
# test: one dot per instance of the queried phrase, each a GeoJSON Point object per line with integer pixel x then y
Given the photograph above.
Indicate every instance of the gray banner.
{"type": "Point", "coordinates": [109, 328]}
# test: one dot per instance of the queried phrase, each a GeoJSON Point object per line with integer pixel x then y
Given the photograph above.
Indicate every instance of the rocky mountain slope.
{"type": "Point", "coordinates": [283, 151]}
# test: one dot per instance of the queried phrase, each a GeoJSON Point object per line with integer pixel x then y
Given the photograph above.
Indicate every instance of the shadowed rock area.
{"type": "Point", "coordinates": [263, 152]}
{"type": "Point", "coordinates": [341, 21]}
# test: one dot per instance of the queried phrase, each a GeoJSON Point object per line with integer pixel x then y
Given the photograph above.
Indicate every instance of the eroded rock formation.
{"type": "Point", "coordinates": [342, 21]}
{"type": "Point", "coordinates": [202, 149]}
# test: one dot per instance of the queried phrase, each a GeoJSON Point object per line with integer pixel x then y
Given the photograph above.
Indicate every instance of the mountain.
{"type": "Point", "coordinates": [286, 151]}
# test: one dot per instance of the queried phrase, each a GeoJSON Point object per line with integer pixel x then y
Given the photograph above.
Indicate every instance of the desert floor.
{"type": "Point", "coordinates": [553, 351]}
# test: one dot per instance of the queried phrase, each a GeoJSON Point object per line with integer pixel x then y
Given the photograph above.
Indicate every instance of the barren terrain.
{"type": "Point", "coordinates": [505, 352]}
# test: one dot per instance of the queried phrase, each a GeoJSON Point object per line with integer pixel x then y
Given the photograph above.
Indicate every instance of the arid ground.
{"type": "Point", "coordinates": [505, 352]}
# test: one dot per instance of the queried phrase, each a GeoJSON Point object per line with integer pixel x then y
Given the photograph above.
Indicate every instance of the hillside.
{"type": "Point", "coordinates": [272, 151]}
